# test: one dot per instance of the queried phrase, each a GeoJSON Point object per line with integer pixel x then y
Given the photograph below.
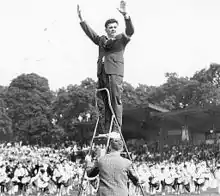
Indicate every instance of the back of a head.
{"type": "Point", "coordinates": [116, 144]}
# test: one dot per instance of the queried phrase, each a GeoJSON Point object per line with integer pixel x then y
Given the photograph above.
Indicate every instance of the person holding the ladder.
{"type": "Point", "coordinates": [114, 171]}
{"type": "Point", "coordinates": [111, 62]}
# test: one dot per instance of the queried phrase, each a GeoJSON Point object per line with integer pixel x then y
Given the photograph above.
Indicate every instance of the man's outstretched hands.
{"type": "Point", "coordinates": [79, 13]}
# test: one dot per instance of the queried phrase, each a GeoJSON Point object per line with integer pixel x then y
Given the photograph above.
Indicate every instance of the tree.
{"type": "Point", "coordinates": [169, 95]}
{"type": "Point", "coordinates": [142, 92]}
{"type": "Point", "coordinates": [213, 74]}
{"type": "Point", "coordinates": [74, 101]}
{"type": "Point", "coordinates": [209, 82]}
{"type": "Point", "coordinates": [28, 100]}
{"type": "Point", "coordinates": [129, 95]}
{"type": "Point", "coordinates": [183, 92]}
{"type": "Point", "coordinates": [5, 121]}
{"type": "Point", "coordinates": [135, 97]}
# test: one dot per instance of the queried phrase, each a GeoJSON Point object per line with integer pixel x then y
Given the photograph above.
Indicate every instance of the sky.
{"type": "Point", "coordinates": [44, 37]}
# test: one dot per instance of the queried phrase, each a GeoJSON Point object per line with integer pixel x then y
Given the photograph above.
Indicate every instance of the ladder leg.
{"type": "Point", "coordinates": [110, 130]}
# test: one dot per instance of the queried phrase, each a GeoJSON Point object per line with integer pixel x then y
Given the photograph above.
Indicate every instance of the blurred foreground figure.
{"type": "Point", "coordinates": [114, 171]}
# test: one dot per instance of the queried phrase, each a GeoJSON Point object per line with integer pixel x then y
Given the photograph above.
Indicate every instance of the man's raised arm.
{"type": "Point", "coordinates": [129, 28]}
{"type": "Point", "coordinates": [87, 29]}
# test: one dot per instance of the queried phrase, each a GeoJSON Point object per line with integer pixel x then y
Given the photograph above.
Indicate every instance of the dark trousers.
{"type": "Point", "coordinates": [114, 84]}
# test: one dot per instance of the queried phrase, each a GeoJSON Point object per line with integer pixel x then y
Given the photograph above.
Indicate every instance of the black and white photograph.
{"type": "Point", "coordinates": [109, 98]}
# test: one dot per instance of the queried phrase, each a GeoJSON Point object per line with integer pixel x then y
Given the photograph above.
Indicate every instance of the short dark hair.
{"type": "Point", "coordinates": [116, 144]}
{"type": "Point", "coordinates": [109, 21]}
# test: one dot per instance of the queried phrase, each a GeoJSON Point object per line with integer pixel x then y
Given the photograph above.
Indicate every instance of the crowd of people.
{"type": "Point", "coordinates": [178, 169]}
{"type": "Point", "coordinates": [32, 169]}
{"type": "Point", "coordinates": [26, 169]}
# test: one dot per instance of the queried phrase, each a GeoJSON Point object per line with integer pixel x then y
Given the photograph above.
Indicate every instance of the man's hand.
{"type": "Point", "coordinates": [122, 8]}
{"type": "Point", "coordinates": [79, 13]}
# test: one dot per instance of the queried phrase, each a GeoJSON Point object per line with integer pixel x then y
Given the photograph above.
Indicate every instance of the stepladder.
{"type": "Point", "coordinates": [82, 190]}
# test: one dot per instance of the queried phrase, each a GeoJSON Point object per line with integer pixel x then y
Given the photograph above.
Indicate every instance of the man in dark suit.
{"type": "Point", "coordinates": [110, 70]}
{"type": "Point", "coordinates": [114, 171]}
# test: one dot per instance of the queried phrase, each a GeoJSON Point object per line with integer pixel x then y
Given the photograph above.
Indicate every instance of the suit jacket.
{"type": "Point", "coordinates": [111, 52]}
{"type": "Point", "coordinates": [114, 172]}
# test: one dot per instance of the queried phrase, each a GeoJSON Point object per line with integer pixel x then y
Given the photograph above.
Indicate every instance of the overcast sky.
{"type": "Point", "coordinates": [44, 37]}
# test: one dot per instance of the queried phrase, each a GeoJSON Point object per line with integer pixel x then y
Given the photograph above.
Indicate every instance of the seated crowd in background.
{"type": "Point", "coordinates": [58, 169]}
